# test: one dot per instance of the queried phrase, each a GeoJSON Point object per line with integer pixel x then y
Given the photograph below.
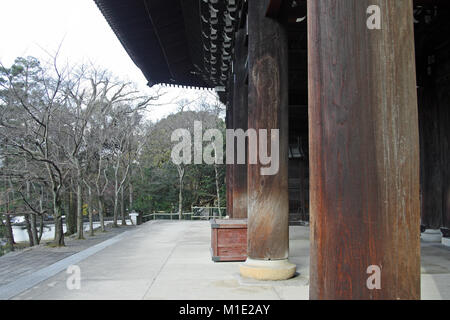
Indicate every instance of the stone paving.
{"type": "Point", "coordinates": [171, 260]}
{"type": "Point", "coordinates": [24, 262]}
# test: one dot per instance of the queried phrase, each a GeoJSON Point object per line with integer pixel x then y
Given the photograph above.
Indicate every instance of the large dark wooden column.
{"type": "Point", "coordinates": [364, 151]}
{"type": "Point", "coordinates": [434, 119]}
{"type": "Point", "coordinates": [240, 121]}
{"type": "Point", "coordinates": [443, 93]}
{"type": "Point", "coordinates": [431, 169]}
{"type": "Point", "coordinates": [268, 204]}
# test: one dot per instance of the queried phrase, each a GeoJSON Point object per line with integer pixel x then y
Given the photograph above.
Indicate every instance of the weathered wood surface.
{"type": "Point", "coordinates": [268, 204]}
{"type": "Point", "coordinates": [240, 121]}
{"type": "Point", "coordinates": [364, 151]}
{"type": "Point", "coordinates": [229, 167]}
{"type": "Point", "coordinates": [229, 240]}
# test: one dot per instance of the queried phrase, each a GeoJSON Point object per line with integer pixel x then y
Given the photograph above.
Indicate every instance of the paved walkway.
{"type": "Point", "coordinates": [171, 260]}
{"type": "Point", "coordinates": [20, 264]}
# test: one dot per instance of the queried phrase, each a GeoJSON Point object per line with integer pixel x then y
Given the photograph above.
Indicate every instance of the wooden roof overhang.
{"type": "Point", "coordinates": [177, 42]}
{"type": "Point", "coordinates": [191, 42]}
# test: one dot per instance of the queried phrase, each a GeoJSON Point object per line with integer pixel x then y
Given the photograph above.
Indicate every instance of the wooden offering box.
{"type": "Point", "coordinates": [229, 240]}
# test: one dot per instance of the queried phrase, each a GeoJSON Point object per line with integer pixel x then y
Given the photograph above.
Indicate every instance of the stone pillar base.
{"type": "Point", "coordinates": [267, 270]}
{"type": "Point", "coordinates": [431, 235]}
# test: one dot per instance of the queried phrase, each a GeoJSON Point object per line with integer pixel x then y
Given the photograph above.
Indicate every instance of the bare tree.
{"type": "Point", "coordinates": [94, 95]}
{"type": "Point", "coordinates": [126, 152]}
{"type": "Point", "coordinates": [8, 226]}
{"type": "Point", "coordinates": [210, 105]}
{"type": "Point", "coordinates": [30, 133]}
{"type": "Point", "coordinates": [64, 128]}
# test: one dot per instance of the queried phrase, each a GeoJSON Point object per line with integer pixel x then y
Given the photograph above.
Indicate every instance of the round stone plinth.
{"type": "Point", "coordinates": [446, 242]}
{"type": "Point", "coordinates": [268, 270]}
{"type": "Point", "coordinates": [431, 235]}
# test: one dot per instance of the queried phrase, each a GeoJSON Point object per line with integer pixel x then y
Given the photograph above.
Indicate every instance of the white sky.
{"type": "Point", "coordinates": [32, 27]}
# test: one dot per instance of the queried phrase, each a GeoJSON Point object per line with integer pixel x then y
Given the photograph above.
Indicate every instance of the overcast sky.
{"type": "Point", "coordinates": [32, 27]}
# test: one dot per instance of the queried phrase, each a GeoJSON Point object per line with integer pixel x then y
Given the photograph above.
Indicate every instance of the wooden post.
{"type": "Point", "coordinates": [364, 151]}
{"type": "Point", "coordinates": [432, 167]}
{"type": "Point", "coordinates": [229, 167]}
{"type": "Point", "coordinates": [444, 124]}
{"type": "Point", "coordinates": [240, 121]}
{"type": "Point", "coordinates": [434, 120]}
{"type": "Point", "coordinates": [268, 204]}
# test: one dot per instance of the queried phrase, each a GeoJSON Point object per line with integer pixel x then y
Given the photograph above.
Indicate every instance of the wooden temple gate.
{"type": "Point", "coordinates": [348, 96]}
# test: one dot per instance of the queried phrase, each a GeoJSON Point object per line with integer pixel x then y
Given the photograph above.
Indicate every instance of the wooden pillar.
{"type": "Point", "coordinates": [240, 121]}
{"type": "Point", "coordinates": [229, 167]}
{"type": "Point", "coordinates": [430, 155]}
{"type": "Point", "coordinates": [364, 151]}
{"type": "Point", "coordinates": [268, 204]}
{"type": "Point", "coordinates": [434, 120]}
{"type": "Point", "coordinates": [444, 126]}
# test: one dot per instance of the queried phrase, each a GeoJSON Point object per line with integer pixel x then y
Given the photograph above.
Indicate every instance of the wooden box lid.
{"type": "Point", "coordinates": [228, 223]}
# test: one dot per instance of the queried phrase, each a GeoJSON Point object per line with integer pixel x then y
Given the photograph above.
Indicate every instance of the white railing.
{"type": "Point", "coordinates": [197, 213]}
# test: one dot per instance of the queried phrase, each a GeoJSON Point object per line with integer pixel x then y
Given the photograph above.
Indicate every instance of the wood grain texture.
{"type": "Point", "coordinates": [229, 167]}
{"type": "Point", "coordinates": [268, 204]}
{"type": "Point", "coordinates": [229, 240]}
{"type": "Point", "coordinates": [240, 121]}
{"type": "Point", "coordinates": [364, 150]}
